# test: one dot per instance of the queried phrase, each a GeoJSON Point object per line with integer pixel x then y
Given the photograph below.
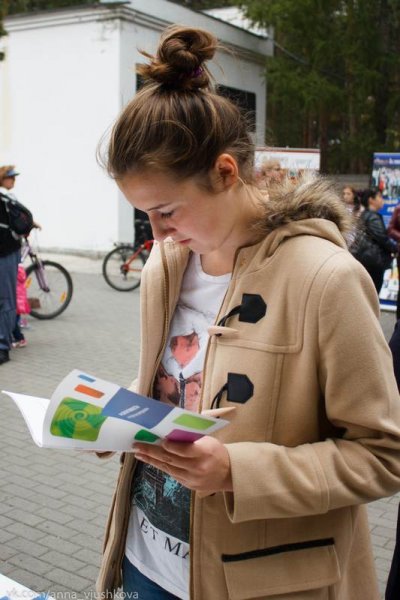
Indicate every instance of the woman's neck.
{"type": "Point", "coordinates": [221, 260]}
{"type": "Point", "coordinates": [217, 263]}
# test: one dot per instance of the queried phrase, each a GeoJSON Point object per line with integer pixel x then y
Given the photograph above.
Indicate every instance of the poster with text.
{"type": "Point", "coordinates": [386, 177]}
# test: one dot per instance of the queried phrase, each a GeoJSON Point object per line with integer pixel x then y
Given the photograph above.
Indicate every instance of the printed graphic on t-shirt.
{"type": "Point", "coordinates": [157, 496]}
{"type": "Point", "coordinates": [158, 535]}
{"type": "Point", "coordinates": [182, 392]}
{"type": "Point", "coordinates": [178, 382]}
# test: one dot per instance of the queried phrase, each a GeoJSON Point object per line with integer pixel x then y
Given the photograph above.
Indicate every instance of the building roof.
{"type": "Point", "coordinates": [155, 14]}
{"type": "Point", "coordinates": [235, 16]}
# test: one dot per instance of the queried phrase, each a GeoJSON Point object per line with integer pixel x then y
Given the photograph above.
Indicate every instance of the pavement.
{"type": "Point", "coordinates": [53, 504]}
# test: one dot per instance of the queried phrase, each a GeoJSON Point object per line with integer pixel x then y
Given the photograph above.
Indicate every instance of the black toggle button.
{"type": "Point", "coordinates": [240, 388]}
{"type": "Point", "coordinates": [253, 308]}
{"type": "Point", "coordinates": [250, 310]}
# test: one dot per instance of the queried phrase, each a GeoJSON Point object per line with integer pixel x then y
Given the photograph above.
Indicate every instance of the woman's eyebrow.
{"type": "Point", "coordinates": [158, 206]}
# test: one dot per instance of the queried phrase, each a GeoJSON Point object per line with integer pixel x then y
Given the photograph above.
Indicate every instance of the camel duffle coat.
{"type": "Point", "coordinates": [298, 350]}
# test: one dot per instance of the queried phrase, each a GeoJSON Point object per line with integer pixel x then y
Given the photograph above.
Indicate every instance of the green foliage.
{"type": "Point", "coordinates": [203, 4]}
{"type": "Point", "coordinates": [20, 6]}
{"type": "Point", "coordinates": [13, 7]}
{"type": "Point", "coordinates": [334, 81]}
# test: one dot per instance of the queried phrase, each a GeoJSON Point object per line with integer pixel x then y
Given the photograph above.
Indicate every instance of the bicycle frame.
{"type": "Point", "coordinates": [40, 271]}
{"type": "Point", "coordinates": [145, 246]}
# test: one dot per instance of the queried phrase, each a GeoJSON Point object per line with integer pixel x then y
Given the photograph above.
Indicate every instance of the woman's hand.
{"type": "Point", "coordinates": [203, 466]}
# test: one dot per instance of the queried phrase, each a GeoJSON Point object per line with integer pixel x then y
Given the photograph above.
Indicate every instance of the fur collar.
{"type": "Point", "coordinates": [313, 196]}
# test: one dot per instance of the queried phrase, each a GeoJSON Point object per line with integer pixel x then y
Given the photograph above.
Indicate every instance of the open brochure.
{"type": "Point", "coordinates": [88, 413]}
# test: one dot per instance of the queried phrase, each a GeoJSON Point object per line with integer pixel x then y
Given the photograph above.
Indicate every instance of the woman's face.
{"type": "Point", "coordinates": [377, 202]}
{"type": "Point", "coordinates": [8, 182]}
{"type": "Point", "coordinates": [348, 195]}
{"type": "Point", "coordinates": [183, 210]}
{"type": "Point", "coordinates": [271, 173]}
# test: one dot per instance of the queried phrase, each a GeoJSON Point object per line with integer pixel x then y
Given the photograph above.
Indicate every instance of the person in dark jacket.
{"type": "Point", "coordinates": [393, 583]}
{"type": "Point", "coordinates": [394, 233]}
{"type": "Point", "coordinates": [375, 251]}
{"type": "Point", "coordinates": [9, 259]}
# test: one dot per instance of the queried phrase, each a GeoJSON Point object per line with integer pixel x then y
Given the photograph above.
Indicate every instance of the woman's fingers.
{"type": "Point", "coordinates": [203, 465]}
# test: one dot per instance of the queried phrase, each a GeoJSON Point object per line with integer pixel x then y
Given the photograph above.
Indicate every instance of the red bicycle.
{"type": "Point", "coordinates": [122, 267]}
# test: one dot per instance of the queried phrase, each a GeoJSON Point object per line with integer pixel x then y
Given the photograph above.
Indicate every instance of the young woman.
{"type": "Point", "coordinates": [247, 308]}
{"type": "Point", "coordinates": [351, 200]}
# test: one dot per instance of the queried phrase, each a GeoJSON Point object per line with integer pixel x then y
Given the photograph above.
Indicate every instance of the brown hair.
{"type": "Point", "coordinates": [4, 170]}
{"type": "Point", "coordinates": [177, 123]}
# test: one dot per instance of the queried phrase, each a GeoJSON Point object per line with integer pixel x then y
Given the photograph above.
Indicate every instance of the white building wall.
{"type": "Point", "coordinates": [242, 66]}
{"type": "Point", "coordinates": [66, 76]}
{"type": "Point", "coordinates": [58, 92]}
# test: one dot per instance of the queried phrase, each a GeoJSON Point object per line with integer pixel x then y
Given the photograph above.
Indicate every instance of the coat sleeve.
{"type": "Point", "coordinates": [361, 400]}
{"type": "Point", "coordinates": [394, 225]}
{"type": "Point", "coordinates": [376, 229]}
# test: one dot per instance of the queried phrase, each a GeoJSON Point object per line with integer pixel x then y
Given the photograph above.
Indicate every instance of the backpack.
{"type": "Point", "coordinates": [367, 250]}
{"type": "Point", "coordinates": [20, 219]}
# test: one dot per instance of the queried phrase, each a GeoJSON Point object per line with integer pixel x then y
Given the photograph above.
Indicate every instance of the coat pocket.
{"type": "Point", "coordinates": [286, 569]}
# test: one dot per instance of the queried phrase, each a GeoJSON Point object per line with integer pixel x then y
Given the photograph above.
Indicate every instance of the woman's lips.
{"type": "Point", "coordinates": [183, 241]}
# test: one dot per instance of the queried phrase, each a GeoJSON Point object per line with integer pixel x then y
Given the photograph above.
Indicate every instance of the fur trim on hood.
{"type": "Point", "coordinates": [311, 197]}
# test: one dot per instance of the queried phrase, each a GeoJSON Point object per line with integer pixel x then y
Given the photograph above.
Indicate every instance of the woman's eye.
{"type": "Point", "coordinates": [167, 215]}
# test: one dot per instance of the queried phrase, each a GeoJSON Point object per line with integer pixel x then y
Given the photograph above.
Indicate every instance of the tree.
{"type": "Point", "coordinates": [203, 4]}
{"type": "Point", "coordinates": [334, 81]}
{"type": "Point", "coordinates": [21, 6]}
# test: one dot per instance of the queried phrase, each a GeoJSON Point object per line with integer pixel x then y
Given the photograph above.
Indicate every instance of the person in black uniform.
{"type": "Point", "coordinates": [393, 582]}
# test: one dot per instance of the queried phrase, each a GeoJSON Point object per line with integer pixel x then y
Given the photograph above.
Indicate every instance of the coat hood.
{"type": "Point", "coordinates": [312, 206]}
{"type": "Point", "coordinates": [313, 197]}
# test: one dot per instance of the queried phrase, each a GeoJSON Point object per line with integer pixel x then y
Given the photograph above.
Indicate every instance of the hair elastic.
{"type": "Point", "coordinates": [197, 72]}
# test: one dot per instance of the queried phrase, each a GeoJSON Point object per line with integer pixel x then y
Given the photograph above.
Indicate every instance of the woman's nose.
{"type": "Point", "coordinates": [160, 230]}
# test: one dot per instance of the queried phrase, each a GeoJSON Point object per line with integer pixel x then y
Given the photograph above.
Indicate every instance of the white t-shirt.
{"type": "Point", "coordinates": [158, 534]}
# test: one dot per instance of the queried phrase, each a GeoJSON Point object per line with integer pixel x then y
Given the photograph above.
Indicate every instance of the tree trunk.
{"type": "Point", "coordinates": [323, 138]}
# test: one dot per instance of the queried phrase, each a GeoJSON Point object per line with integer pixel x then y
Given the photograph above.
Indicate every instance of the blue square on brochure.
{"type": "Point", "coordinates": [137, 409]}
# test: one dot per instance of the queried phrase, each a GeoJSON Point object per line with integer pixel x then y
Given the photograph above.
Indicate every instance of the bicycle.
{"type": "Point", "coordinates": [49, 285]}
{"type": "Point", "coordinates": [122, 266]}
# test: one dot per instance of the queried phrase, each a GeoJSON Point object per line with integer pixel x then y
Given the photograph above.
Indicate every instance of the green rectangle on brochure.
{"type": "Point", "coordinates": [194, 422]}
{"type": "Point", "coordinates": [146, 436]}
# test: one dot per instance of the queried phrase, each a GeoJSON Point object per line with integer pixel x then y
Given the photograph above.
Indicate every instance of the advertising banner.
{"type": "Point", "coordinates": [386, 177]}
{"type": "Point", "coordinates": [279, 162]}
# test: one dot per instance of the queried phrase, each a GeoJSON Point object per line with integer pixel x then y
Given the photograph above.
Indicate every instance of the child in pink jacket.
{"type": "Point", "coordinates": [23, 308]}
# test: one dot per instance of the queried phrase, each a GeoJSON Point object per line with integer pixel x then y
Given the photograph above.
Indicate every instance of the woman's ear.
{"type": "Point", "coordinates": [225, 172]}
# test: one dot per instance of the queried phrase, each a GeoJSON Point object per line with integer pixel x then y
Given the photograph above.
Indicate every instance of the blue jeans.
{"type": "Point", "coordinates": [134, 582]}
{"type": "Point", "coordinates": [8, 297]}
{"type": "Point", "coordinates": [17, 333]}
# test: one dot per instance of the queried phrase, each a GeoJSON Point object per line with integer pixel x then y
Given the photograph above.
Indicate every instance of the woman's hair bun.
{"type": "Point", "coordinates": [179, 61]}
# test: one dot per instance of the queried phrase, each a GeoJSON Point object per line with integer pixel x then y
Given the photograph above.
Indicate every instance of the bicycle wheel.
{"type": "Point", "coordinates": [120, 272]}
{"type": "Point", "coordinates": [49, 291]}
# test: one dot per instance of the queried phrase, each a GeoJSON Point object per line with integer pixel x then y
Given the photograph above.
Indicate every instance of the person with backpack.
{"type": "Point", "coordinates": [372, 246]}
{"type": "Point", "coordinates": [15, 221]}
